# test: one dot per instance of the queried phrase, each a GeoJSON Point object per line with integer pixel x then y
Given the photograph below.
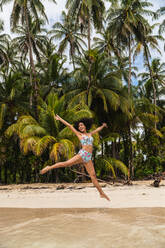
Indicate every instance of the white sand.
{"type": "Point", "coordinates": [140, 194]}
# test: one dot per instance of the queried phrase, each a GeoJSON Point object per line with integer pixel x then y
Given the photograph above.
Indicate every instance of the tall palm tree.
{"type": "Point", "coordinates": [106, 85]}
{"type": "Point", "coordinates": [68, 33]}
{"type": "Point", "coordinates": [123, 22]}
{"type": "Point", "coordinates": [106, 43]}
{"type": "Point", "coordinates": [37, 39]}
{"type": "Point", "coordinates": [87, 12]}
{"type": "Point", "coordinates": [21, 13]}
{"type": "Point", "coordinates": [3, 45]}
{"type": "Point", "coordinates": [148, 41]}
{"type": "Point", "coordinates": [13, 97]}
{"type": "Point", "coordinates": [52, 74]}
{"type": "Point", "coordinates": [161, 12]}
{"type": "Point", "coordinates": [158, 73]}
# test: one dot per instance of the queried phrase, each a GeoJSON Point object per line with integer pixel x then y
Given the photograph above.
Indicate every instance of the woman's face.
{"type": "Point", "coordinates": [82, 127]}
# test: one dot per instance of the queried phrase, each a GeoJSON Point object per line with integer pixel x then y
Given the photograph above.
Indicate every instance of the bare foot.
{"type": "Point", "coordinates": [104, 196]}
{"type": "Point", "coordinates": [43, 171]}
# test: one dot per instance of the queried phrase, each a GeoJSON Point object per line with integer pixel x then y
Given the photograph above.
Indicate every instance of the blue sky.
{"type": "Point", "coordinates": [54, 13]}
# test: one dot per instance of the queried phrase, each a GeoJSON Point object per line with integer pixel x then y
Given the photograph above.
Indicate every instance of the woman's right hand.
{"type": "Point", "coordinates": [105, 125]}
{"type": "Point", "coordinates": [57, 117]}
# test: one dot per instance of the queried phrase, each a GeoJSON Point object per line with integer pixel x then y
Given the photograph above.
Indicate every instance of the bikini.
{"type": "Point", "coordinates": [86, 156]}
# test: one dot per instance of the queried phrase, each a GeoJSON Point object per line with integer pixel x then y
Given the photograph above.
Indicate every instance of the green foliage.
{"type": "Point", "coordinates": [35, 84]}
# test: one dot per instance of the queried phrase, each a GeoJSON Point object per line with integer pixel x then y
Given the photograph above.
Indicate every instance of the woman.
{"type": "Point", "coordinates": [85, 154]}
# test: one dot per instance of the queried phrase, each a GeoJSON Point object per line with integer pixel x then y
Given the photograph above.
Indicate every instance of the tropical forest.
{"type": "Point", "coordinates": [102, 60]}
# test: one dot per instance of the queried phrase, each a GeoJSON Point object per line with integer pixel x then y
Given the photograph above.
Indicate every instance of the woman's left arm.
{"type": "Point", "coordinates": [98, 129]}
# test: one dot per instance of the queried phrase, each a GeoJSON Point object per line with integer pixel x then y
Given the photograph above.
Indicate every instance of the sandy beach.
{"type": "Point", "coordinates": [140, 194]}
{"type": "Point", "coordinates": [73, 215]}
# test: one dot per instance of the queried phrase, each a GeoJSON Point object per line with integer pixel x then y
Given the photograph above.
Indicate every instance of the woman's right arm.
{"type": "Point", "coordinates": [58, 118]}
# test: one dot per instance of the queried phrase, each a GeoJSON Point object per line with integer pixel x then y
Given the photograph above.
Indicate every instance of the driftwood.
{"type": "Point", "coordinates": [157, 182]}
{"type": "Point", "coordinates": [83, 174]}
{"type": "Point", "coordinates": [158, 178]}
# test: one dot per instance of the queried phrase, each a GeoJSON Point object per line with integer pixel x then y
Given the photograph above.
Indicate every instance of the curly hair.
{"type": "Point", "coordinates": [86, 121]}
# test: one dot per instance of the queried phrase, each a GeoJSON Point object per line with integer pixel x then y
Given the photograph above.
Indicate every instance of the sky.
{"type": "Point", "coordinates": [53, 12]}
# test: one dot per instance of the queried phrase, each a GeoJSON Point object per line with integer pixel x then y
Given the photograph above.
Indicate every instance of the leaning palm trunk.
{"type": "Point", "coordinates": [152, 81]}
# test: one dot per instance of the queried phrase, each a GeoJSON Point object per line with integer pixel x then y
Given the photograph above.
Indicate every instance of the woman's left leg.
{"type": "Point", "coordinates": [75, 160]}
{"type": "Point", "coordinates": [91, 171]}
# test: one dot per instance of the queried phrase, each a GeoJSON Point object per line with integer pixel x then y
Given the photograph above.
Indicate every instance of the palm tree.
{"type": "Point", "coordinates": [37, 39]}
{"type": "Point", "coordinates": [13, 97]}
{"type": "Point", "coordinates": [86, 12]}
{"type": "Point", "coordinates": [123, 22]}
{"type": "Point", "coordinates": [106, 43]}
{"type": "Point", "coordinates": [158, 73]}
{"type": "Point", "coordinates": [52, 74]}
{"type": "Point", "coordinates": [21, 13]}
{"type": "Point", "coordinates": [68, 33]}
{"type": "Point", "coordinates": [3, 46]}
{"type": "Point", "coordinates": [148, 41]}
{"type": "Point", "coordinates": [161, 12]}
{"type": "Point", "coordinates": [105, 91]}
{"type": "Point", "coordinates": [48, 134]}
{"type": "Point", "coordinates": [21, 42]}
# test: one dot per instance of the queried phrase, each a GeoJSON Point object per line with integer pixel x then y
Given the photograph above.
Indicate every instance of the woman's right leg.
{"type": "Point", "coordinates": [91, 171]}
{"type": "Point", "coordinates": [75, 160]}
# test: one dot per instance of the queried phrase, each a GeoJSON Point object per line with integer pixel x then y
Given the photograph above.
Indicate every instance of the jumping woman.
{"type": "Point", "coordinates": [85, 154]}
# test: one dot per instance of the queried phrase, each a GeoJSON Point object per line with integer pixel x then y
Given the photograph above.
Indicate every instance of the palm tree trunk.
{"type": "Point", "coordinates": [33, 76]}
{"type": "Point", "coordinates": [130, 161]}
{"type": "Point", "coordinates": [89, 34]}
{"type": "Point", "coordinates": [152, 80]}
{"type": "Point", "coordinates": [115, 50]}
{"type": "Point", "coordinates": [31, 93]}
{"type": "Point", "coordinates": [130, 67]}
{"type": "Point", "coordinates": [72, 55]}
{"type": "Point", "coordinates": [90, 63]}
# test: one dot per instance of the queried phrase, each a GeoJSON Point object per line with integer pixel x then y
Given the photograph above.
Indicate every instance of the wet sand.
{"type": "Point", "coordinates": [40, 216]}
{"type": "Point", "coordinates": [82, 228]}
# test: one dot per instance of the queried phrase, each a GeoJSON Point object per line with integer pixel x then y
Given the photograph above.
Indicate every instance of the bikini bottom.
{"type": "Point", "coordinates": [86, 156]}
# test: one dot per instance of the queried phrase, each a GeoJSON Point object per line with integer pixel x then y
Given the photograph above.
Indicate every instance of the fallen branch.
{"type": "Point", "coordinates": [83, 174]}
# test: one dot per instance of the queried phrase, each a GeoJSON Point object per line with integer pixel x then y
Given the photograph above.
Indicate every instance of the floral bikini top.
{"type": "Point", "coordinates": [86, 140]}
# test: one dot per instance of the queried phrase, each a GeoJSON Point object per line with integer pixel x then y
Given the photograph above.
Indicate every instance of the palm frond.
{"type": "Point", "coordinates": [28, 144]}
{"type": "Point", "coordinates": [119, 164]}
{"type": "Point", "coordinates": [55, 152]}
{"type": "Point", "coordinates": [106, 164]}
{"type": "Point", "coordinates": [32, 130]}
{"type": "Point", "coordinates": [67, 148]}
{"type": "Point", "coordinates": [43, 144]}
